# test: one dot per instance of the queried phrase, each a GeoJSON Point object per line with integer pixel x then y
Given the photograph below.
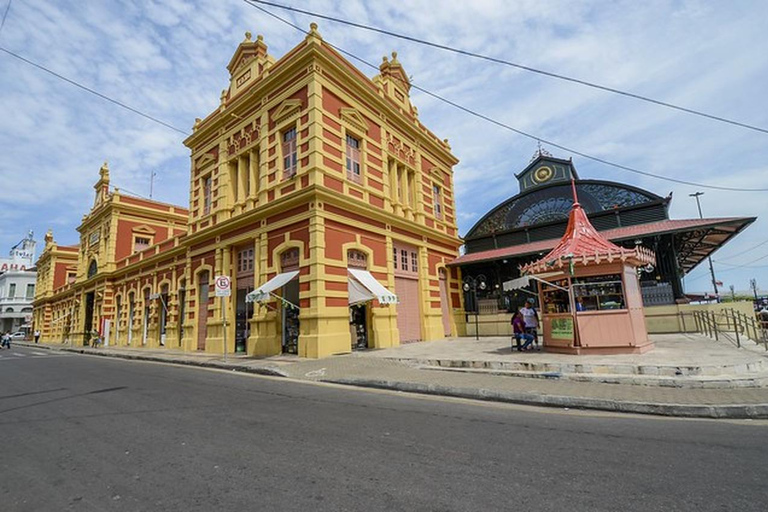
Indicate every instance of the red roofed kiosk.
{"type": "Point", "coordinates": [594, 302]}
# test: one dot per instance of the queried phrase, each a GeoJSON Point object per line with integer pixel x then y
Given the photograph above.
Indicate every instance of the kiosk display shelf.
{"type": "Point", "coordinates": [599, 293]}
{"type": "Point", "coordinates": [555, 300]}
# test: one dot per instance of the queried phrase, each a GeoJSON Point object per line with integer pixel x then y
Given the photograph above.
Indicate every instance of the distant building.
{"type": "Point", "coordinates": [316, 189]}
{"type": "Point", "coordinates": [17, 286]}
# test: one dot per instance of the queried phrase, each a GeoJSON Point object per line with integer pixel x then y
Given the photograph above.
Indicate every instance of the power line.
{"type": "Point", "coordinates": [719, 260]}
{"type": "Point", "coordinates": [744, 265]}
{"type": "Point", "coordinates": [92, 91]}
{"type": "Point", "coordinates": [5, 15]}
{"type": "Point", "coordinates": [515, 130]}
{"type": "Point", "coordinates": [515, 65]}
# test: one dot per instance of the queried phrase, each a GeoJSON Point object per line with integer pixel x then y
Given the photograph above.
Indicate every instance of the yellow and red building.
{"type": "Point", "coordinates": [311, 184]}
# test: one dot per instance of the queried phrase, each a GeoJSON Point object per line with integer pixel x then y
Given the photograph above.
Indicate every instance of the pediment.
{"type": "Point", "coordinates": [353, 117]}
{"type": "Point", "coordinates": [206, 159]}
{"type": "Point", "coordinates": [286, 109]}
{"type": "Point", "coordinates": [144, 229]}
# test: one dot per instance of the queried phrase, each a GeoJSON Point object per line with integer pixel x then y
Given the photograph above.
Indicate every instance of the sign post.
{"type": "Point", "coordinates": [223, 286]}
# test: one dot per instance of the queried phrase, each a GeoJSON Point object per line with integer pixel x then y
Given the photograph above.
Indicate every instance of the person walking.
{"type": "Point", "coordinates": [518, 331]}
{"type": "Point", "coordinates": [37, 336]}
{"type": "Point", "coordinates": [531, 319]}
{"type": "Point", "coordinates": [5, 341]}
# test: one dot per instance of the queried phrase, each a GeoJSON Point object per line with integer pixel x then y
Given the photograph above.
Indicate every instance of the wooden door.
{"type": "Point", "coordinates": [408, 310]}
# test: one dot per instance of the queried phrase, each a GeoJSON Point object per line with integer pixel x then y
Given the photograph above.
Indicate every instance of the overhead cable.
{"type": "Point", "coordinates": [92, 91]}
{"type": "Point", "coordinates": [496, 60]}
{"type": "Point", "coordinates": [515, 130]}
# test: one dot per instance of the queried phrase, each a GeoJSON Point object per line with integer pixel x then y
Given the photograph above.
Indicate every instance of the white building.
{"type": "Point", "coordinates": [17, 286]}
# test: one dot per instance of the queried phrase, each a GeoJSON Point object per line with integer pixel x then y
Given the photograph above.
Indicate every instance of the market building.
{"type": "Point", "coordinates": [528, 225]}
{"type": "Point", "coordinates": [314, 188]}
{"type": "Point", "coordinates": [17, 286]}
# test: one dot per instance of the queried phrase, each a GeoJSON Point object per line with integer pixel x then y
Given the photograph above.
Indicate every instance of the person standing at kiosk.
{"type": "Point", "coordinates": [531, 319]}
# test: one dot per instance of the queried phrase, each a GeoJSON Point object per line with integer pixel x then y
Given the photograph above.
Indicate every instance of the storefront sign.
{"type": "Point", "coordinates": [562, 328]}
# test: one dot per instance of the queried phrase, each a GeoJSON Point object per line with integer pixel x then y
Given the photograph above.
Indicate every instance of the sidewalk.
{"type": "Point", "coordinates": [404, 369]}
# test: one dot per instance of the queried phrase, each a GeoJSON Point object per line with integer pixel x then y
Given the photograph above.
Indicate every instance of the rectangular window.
{"type": "Point", "coordinates": [12, 290]}
{"type": "Point", "coordinates": [141, 243]}
{"type": "Point", "coordinates": [290, 155]}
{"type": "Point", "coordinates": [437, 197]}
{"type": "Point", "coordinates": [404, 259]}
{"type": "Point", "coordinates": [71, 277]}
{"type": "Point", "coordinates": [353, 159]}
{"type": "Point", "coordinates": [207, 182]}
{"type": "Point", "coordinates": [30, 291]}
{"type": "Point", "coordinates": [245, 260]}
{"type": "Point", "coordinates": [94, 238]}
{"type": "Point", "coordinates": [394, 257]}
{"type": "Point", "coordinates": [414, 261]}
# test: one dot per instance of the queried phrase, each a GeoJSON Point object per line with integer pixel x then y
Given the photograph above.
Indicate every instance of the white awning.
{"type": "Point", "coordinates": [364, 287]}
{"type": "Point", "coordinates": [525, 281]}
{"type": "Point", "coordinates": [261, 293]}
{"type": "Point", "coordinates": [516, 284]}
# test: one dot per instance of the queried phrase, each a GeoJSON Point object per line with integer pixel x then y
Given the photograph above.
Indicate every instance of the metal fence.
{"type": "Point", "coordinates": [731, 325]}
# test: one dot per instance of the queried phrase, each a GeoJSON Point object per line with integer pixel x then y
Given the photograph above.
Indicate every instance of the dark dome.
{"type": "Point", "coordinates": [551, 203]}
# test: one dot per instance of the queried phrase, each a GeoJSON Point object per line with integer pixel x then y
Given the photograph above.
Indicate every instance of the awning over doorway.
{"type": "Point", "coordinates": [263, 292]}
{"type": "Point", "coordinates": [525, 281]}
{"type": "Point", "coordinates": [364, 287]}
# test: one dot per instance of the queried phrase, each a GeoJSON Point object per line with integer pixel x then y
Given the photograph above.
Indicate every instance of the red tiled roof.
{"type": "Point", "coordinates": [640, 230]}
{"type": "Point", "coordinates": [582, 241]}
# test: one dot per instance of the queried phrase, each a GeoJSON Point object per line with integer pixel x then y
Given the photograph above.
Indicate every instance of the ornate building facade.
{"type": "Point", "coordinates": [314, 188]}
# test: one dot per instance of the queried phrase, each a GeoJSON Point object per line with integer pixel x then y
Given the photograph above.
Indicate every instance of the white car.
{"type": "Point", "coordinates": [19, 335]}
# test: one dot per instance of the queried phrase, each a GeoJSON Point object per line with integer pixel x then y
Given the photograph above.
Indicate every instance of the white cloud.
{"type": "Point", "coordinates": [168, 58]}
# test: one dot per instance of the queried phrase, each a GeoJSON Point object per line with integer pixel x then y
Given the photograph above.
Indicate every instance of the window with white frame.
{"type": "Point", "coordinates": [353, 159]}
{"type": "Point", "coordinates": [290, 153]}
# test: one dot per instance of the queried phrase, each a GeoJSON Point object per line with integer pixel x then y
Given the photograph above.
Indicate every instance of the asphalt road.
{"type": "Point", "coordinates": [90, 433]}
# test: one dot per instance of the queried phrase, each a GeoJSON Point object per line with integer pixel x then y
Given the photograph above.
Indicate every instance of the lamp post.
{"type": "Point", "coordinates": [471, 284]}
{"type": "Point", "coordinates": [711, 268]}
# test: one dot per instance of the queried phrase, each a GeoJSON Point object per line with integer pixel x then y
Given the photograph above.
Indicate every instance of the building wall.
{"type": "Point", "coordinates": [242, 196]}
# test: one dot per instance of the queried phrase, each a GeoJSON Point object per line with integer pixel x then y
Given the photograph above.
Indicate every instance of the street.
{"type": "Point", "coordinates": [94, 433]}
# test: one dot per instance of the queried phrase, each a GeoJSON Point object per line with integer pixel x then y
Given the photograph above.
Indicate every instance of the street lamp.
{"type": "Point", "coordinates": [471, 284]}
{"type": "Point", "coordinates": [711, 268]}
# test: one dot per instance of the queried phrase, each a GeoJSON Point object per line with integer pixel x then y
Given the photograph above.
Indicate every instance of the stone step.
{"type": "Point", "coordinates": [756, 366]}
{"type": "Point", "coordinates": [746, 380]}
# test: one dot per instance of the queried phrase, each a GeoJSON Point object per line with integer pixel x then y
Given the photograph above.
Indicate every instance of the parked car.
{"type": "Point", "coordinates": [18, 335]}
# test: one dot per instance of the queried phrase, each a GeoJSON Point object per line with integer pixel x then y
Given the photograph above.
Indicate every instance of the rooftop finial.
{"type": "Point", "coordinates": [540, 151]}
{"type": "Point", "coordinates": [575, 195]}
{"type": "Point", "coordinates": [248, 36]}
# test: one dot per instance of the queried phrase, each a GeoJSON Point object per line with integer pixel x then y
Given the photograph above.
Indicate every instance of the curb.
{"type": "Point", "coordinates": [742, 381]}
{"type": "Point", "coordinates": [734, 411]}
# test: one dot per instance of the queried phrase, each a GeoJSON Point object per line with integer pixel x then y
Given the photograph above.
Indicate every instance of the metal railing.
{"type": "Point", "coordinates": [731, 325]}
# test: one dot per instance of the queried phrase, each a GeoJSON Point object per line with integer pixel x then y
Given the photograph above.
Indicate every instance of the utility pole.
{"type": "Point", "coordinates": [733, 293]}
{"type": "Point", "coordinates": [152, 175]}
{"type": "Point", "coordinates": [711, 268]}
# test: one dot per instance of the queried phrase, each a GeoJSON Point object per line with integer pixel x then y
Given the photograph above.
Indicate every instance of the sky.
{"type": "Point", "coordinates": [167, 58]}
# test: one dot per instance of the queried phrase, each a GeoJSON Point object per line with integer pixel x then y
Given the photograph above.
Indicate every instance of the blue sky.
{"type": "Point", "coordinates": [168, 58]}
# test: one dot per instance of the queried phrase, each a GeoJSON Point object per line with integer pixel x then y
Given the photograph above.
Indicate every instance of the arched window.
{"type": "Point", "coordinates": [92, 269]}
{"type": "Point", "coordinates": [289, 259]}
{"type": "Point", "coordinates": [9, 310]}
{"type": "Point", "coordinates": [357, 259]}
